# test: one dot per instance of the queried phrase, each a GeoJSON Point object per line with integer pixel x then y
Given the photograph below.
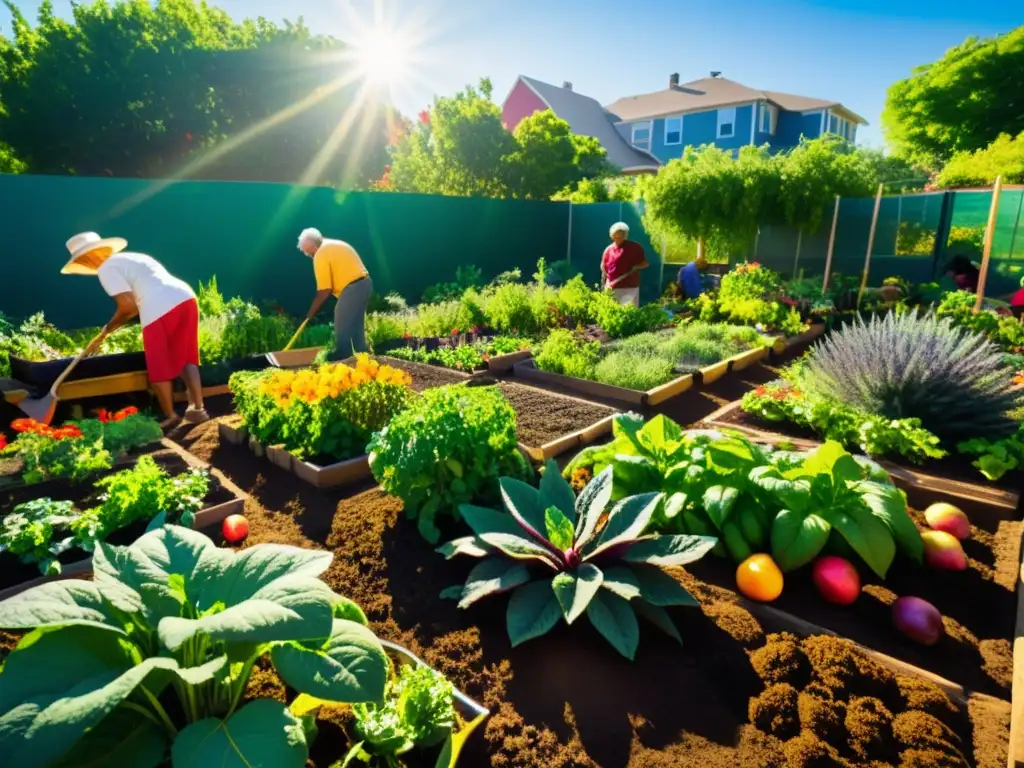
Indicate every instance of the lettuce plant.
{"type": "Point", "coordinates": [150, 660]}
{"type": "Point", "coordinates": [552, 549]}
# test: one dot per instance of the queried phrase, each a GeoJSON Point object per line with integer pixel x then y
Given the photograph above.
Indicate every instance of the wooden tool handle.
{"type": "Point", "coordinates": [66, 371]}
{"type": "Point", "coordinates": [296, 336]}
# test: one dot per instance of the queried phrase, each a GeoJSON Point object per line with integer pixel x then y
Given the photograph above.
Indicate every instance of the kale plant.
{"type": "Point", "coordinates": [148, 664]}
{"type": "Point", "coordinates": [551, 548]}
{"type": "Point", "coordinates": [923, 367]}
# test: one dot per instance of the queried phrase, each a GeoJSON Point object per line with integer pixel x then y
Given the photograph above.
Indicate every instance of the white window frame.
{"type": "Point", "coordinates": [721, 113]}
{"type": "Point", "coordinates": [830, 128]}
{"type": "Point", "coordinates": [667, 131]}
{"type": "Point", "coordinates": [649, 127]}
{"type": "Point", "coordinates": [769, 117]}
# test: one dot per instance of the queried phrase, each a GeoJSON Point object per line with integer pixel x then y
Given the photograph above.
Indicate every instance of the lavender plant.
{"type": "Point", "coordinates": [914, 366]}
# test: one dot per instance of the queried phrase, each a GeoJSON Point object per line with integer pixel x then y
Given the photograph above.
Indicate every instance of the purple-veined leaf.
{"type": "Point", "coordinates": [626, 521]}
{"type": "Point", "coordinates": [532, 611]}
{"type": "Point", "coordinates": [519, 547]}
{"type": "Point", "coordinates": [490, 577]}
{"type": "Point", "coordinates": [669, 550]}
{"type": "Point", "coordinates": [555, 492]}
{"type": "Point", "coordinates": [523, 502]}
{"type": "Point", "coordinates": [591, 503]}
{"type": "Point", "coordinates": [660, 589]}
{"type": "Point", "coordinates": [575, 589]}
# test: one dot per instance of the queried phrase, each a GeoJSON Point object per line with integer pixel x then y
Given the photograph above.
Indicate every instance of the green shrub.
{"type": "Point", "coordinates": [621, 320]}
{"type": "Point", "coordinates": [575, 301]}
{"type": "Point", "coordinates": [449, 447]}
{"type": "Point", "coordinates": [913, 366]}
{"type": "Point", "coordinates": [634, 370]}
{"type": "Point", "coordinates": [509, 309]}
{"type": "Point", "coordinates": [439, 320]}
{"type": "Point", "coordinates": [563, 354]}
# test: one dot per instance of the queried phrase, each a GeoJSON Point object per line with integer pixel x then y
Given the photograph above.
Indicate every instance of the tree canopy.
{"type": "Point", "coordinates": [1003, 157]}
{"type": "Point", "coordinates": [960, 103]}
{"type": "Point", "coordinates": [461, 147]}
{"type": "Point", "coordinates": [141, 89]}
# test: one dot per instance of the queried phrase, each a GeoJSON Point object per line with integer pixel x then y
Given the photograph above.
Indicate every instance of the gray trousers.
{"type": "Point", "coordinates": [350, 319]}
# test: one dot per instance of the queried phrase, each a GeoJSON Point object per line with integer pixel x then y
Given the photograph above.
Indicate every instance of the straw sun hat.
{"type": "Point", "coordinates": [86, 243]}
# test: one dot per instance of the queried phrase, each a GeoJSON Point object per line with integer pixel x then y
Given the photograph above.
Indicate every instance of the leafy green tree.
{"type": "Point", "coordinates": [549, 157]}
{"type": "Point", "coordinates": [962, 102]}
{"type": "Point", "coordinates": [135, 88]}
{"type": "Point", "coordinates": [897, 173]}
{"type": "Point", "coordinates": [1003, 157]}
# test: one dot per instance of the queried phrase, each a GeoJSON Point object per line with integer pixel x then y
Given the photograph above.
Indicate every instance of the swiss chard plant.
{"type": "Point", "coordinates": [563, 558]}
{"type": "Point", "coordinates": [149, 662]}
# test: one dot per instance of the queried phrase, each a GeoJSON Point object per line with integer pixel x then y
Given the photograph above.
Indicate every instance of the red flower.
{"type": "Point", "coordinates": [3, 441]}
{"type": "Point", "coordinates": [760, 392]}
{"type": "Point", "coordinates": [455, 331]}
{"type": "Point", "coordinates": [24, 425]}
{"type": "Point", "coordinates": [486, 357]}
{"type": "Point", "coordinates": [425, 117]}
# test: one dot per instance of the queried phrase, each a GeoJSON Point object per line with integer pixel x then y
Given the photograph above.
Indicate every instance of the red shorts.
{"type": "Point", "coordinates": [172, 341]}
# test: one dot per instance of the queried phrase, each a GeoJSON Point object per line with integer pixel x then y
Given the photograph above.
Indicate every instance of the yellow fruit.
{"type": "Point", "coordinates": [759, 578]}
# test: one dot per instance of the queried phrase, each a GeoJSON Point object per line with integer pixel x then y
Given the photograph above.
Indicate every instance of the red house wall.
{"type": "Point", "coordinates": [521, 103]}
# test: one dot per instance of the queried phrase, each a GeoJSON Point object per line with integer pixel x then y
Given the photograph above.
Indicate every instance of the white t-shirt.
{"type": "Point", "coordinates": [155, 290]}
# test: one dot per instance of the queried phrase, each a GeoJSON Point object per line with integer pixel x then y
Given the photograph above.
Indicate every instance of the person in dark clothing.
{"type": "Point", "coordinates": [690, 282]}
{"type": "Point", "coordinates": [964, 273]}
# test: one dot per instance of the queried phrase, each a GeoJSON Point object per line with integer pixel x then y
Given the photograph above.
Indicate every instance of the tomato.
{"type": "Point", "coordinates": [759, 578]}
{"type": "Point", "coordinates": [235, 528]}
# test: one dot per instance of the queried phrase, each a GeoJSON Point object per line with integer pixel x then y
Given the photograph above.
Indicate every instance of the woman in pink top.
{"type": "Point", "coordinates": [166, 308]}
{"type": "Point", "coordinates": [621, 265]}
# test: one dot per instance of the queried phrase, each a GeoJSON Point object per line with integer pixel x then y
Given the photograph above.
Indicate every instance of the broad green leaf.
{"type": "Point", "coordinates": [532, 611]}
{"type": "Point", "coordinates": [622, 581]}
{"type": "Point", "coordinates": [343, 608]}
{"type": "Point", "coordinates": [889, 504]}
{"type": "Point", "coordinates": [661, 434]}
{"type": "Point", "coordinates": [729, 454]}
{"type": "Point", "coordinates": [555, 492]}
{"type": "Point", "coordinates": [658, 617]}
{"type": "Point", "coordinates": [719, 501]}
{"type": "Point", "coordinates": [204, 672]}
{"type": "Point", "coordinates": [452, 593]}
{"type": "Point", "coordinates": [660, 589]}
{"type": "Point", "coordinates": [628, 519]}
{"type": "Point", "coordinates": [523, 500]}
{"type": "Point", "coordinates": [789, 493]}
{"type": "Point", "coordinates": [58, 685]}
{"type": "Point", "coordinates": [350, 667]}
{"type": "Point", "coordinates": [614, 619]}
{"type": "Point", "coordinates": [158, 554]}
{"type": "Point", "coordinates": [449, 756]}
{"type": "Point", "coordinates": [295, 616]}
{"type": "Point", "coordinates": [254, 568]}
{"type": "Point", "coordinates": [482, 520]}
{"type": "Point", "coordinates": [625, 428]}
{"type": "Point", "coordinates": [558, 529]}
{"type": "Point", "coordinates": [673, 505]}
{"type": "Point", "coordinates": [124, 738]}
{"type": "Point", "coordinates": [262, 733]}
{"type": "Point", "coordinates": [575, 589]}
{"type": "Point", "coordinates": [490, 577]}
{"type": "Point", "coordinates": [669, 550]}
{"type": "Point", "coordinates": [467, 545]}
{"type": "Point", "coordinates": [519, 547]}
{"type": "Point", "coordinates": [846, 470]}
{"type": "Point", "coordinates": [869, 536]}
{"type": "Point", "coordinates": [797, 538]}
{"type": "Point", "coordinates": [632, 475]}
{"type": "Point", "coordinates": [823, 460]}
{"type": "Point", "coordinates": [68, 601]}
{"type": "Point", "coordinates": [591, 503]}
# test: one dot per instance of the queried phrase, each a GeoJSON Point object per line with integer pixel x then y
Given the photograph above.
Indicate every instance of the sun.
{"type": "Point", "coordinates": [383, 56]}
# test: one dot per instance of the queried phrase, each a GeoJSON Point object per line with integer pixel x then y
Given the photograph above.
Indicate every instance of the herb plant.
{"type": "Point", "coordinates": [561, 563]}
{"type": "Point", "coordinates": [447, 448]}
{"type": "Point", "coordinates": [149, 662]}
{"type": "Point", "coordinates": [418, 713]}
{"type": "Point", "coordinates": [909, 366]}
{"type": "Point", "coordinates": [621, 320]}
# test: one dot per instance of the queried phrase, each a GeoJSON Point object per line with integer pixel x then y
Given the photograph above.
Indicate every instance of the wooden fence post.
{"type": "Point", "coordinates": [990, 232]}
{"type": "Point", "coordinates": [871, 244]}
{"type": "Point", "coordinates": [831, 247]}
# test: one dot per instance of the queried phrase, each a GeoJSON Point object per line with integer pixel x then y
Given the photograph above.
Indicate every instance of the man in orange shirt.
{"type": "Point", "coordinates": [340, 273]}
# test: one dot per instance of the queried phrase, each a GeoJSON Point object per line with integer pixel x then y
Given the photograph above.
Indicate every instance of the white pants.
{"type": "Point", "coordinates": [627, 296]}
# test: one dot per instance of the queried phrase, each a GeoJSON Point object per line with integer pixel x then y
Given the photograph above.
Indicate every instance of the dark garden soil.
{"type": "Point", "coordinates": [425, 376]}
{"type": "Point", "coordinates": [542, 416]}
{"type": "Point", "coordinates": [978, 607]}
{"type": "Point", "coordinates": [732, 696]}
{"type": "Point", "coordinates": [85, 496]}
{"type": "Point", "coordinates": [953, 467]}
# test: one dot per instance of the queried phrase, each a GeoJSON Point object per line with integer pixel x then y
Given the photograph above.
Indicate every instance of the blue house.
{"type": "Point", "coordinates": [715, 110]}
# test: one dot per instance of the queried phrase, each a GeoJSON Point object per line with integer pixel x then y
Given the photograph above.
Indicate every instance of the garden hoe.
{"type": "Point", "coordinates": [42, 408]}
{"type": "Point", "coordinates": [272, 356]}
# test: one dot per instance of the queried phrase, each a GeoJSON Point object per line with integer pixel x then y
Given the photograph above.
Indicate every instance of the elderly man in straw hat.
{"type": "Point", "coordinates": [621, 265]}
{"type": "Point", "coordinates": [166, 308]}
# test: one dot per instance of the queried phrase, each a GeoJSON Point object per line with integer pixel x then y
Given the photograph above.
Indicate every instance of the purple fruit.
{"type": "Point", "coordinates": [918, 619]}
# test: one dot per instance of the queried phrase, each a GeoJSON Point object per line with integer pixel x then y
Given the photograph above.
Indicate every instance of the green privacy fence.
{"type": "Point", "coordinates": [916, 235]}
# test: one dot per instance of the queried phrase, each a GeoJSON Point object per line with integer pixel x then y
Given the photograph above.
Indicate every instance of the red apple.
{"type": "Point", "coordinates": [836, 579]}
{"type": "Point", "coordinates": [235, 528]}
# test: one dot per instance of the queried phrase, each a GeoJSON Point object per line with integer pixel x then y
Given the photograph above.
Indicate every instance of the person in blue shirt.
{"type": "Point", "coordinates": [690, 278]}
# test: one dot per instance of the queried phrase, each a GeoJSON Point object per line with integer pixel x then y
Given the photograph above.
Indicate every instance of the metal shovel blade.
{"type": "Point", "coordinates": [41, 409]}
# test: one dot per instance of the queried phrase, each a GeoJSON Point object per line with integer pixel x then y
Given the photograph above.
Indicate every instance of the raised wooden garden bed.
{"type": "Point", "coordinates": [223, 499]}
{"type": "Point", "coordinates": [953, 477]}
{"type": "Point", "coordinates": [530, 372]}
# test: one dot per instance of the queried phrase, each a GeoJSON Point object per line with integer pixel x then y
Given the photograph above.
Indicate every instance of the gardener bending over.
{"type": "Point", "coordinates": [621, 265]}
{"type": "Point", "coordinates": [689, 277]}
{"type": "Point", "coordinates": [166, 308]}
{"type": "Point", "coordinates": [340, 273]}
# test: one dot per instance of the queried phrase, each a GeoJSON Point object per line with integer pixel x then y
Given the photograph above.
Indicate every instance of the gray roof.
{"type": "Point", "coordinates": [711, 93]}
{"type": "Point", "coordinates": [587, 117]}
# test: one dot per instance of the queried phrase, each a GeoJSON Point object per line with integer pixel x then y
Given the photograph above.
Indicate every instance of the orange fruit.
{"type": "Point", "coordinates": [759, 578]}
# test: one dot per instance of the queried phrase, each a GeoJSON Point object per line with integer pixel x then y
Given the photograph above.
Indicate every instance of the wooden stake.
{"type": "Point", "coordinates": [990, 233]}
{"type": "Point", "coordinates": [831, 247]}
{"type": "Point", "coordinates": [799, 243]}
{"type": "Point", "coordinates": [871, 244]}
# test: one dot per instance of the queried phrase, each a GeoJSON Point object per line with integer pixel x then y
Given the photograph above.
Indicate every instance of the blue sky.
{"type": "Point", "coordinates": [847, 51]}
